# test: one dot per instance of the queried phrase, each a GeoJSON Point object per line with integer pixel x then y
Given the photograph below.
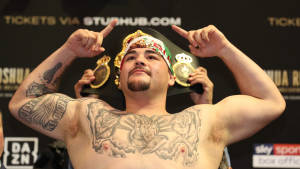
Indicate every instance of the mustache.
{"type": "Point", "coordinates": [147, 71]}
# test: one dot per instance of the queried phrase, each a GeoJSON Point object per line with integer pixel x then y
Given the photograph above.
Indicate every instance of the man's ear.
{"type": "Point", "coordinates": [172, 79]}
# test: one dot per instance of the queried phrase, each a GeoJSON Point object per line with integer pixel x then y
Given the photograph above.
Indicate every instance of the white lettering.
{"type": "Point", "coordinates": [132, 21]}
{"type": "Point", "coordinates": [15, 159]}
{"type": "Point", "coordinates": [25, 159]}
{"type": "Point", "coordinates": [175, 21]}
{"type": "Point", "coordinates": [262, 149]}
{"type": "Point", "coordinates": [87, 21]}
{"type": "Point", "coordinates": [104, 21]}
{"type": "Point", "coordinates": [97, 20]}
{"type": "Point", "coordinates": [154, 21]}
{"type": "Point", "coordinates": [15, 147]}
{"type": "Point", "coordinates": [275, 161]}
{"type": "Point", "coordinates": [164, 21]}
{"type": "Point", "coordinates": [25, 148]}
{"type": "Point", "coordinates": [142, 21]}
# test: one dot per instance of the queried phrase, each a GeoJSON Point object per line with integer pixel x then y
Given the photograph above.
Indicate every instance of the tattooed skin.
{"type": "Point", "coordinates": [49, 74]}
{"type": "Point", "coordinates": [45, 111]}
{"type": "Point", "coordinates": [169, 137]}
{"type": "Point", "coordinates": [38, 89]}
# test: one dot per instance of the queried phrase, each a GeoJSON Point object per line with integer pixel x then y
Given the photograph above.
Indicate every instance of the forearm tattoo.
{"type": "Point", "coordinates": [45, 111]}
{"type": "Point", "coordinates": [38, 89]}
{"type": "Point", "coordinates": [49, 74]}
{"type": "Point", "coordinates": [170, 137]}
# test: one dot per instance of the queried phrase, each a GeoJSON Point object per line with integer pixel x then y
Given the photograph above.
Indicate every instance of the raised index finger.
{"type": "Point", "coordinates": [109, 28]}
{"type": "Point", "coordinates": [180, 31]}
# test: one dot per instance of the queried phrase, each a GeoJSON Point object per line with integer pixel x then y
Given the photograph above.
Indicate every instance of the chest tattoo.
{"type": "Point", "coordinates": [170, 137]}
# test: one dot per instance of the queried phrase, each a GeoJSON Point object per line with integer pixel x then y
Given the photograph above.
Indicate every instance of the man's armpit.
{"type": "Point", "coordinates": [45, 111]}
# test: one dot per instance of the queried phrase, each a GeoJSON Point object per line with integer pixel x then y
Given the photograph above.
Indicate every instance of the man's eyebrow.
{"type": "Point", "coordinates": [150, 51]}
{"type": "Point", "coordinates": [146, 52]}
{"type": "Point", "coordinates": [131, 52]}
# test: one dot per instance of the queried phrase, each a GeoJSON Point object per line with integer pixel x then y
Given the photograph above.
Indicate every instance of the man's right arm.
{"type": "Point", "coordinates": [36, 104]}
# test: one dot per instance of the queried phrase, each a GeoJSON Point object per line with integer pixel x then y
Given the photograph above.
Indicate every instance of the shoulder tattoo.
{"type": "Point", "coordinates": [45, 111]}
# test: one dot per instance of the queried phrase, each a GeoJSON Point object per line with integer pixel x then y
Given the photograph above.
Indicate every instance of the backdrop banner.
{"type": "Point", "coordinates": [267, 31]}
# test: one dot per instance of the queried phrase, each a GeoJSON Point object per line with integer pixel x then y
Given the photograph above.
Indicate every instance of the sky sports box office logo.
{"type": "Point", "coordinates": [276, 156]}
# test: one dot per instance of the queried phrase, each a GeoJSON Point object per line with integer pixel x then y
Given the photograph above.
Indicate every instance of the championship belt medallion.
{"type": "Point", "coordinates": [182, 69]}
{"type": "Point", "coordinates": [101, 72]}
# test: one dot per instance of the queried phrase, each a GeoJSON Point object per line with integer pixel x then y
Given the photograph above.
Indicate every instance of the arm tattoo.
{"type": "Point", "coordinates": [169, 137]}
{"type": "Point", "coordinates": [45, 111]}
{"type": "Point", "coordinates": [49, 74]}
{"type": "Point", "coordinates": [36, 89]}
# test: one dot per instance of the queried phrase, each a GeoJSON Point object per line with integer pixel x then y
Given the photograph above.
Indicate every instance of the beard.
{"type": "Point", "coordinates": [138, 86]}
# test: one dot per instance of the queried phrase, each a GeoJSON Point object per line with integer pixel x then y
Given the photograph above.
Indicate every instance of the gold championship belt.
{"type": "Point", "coordinates": [182, 69]}
{"type": "Point", "coordinates": [180, 62]}
{"type": "Point", "coordinates": [101, 72]}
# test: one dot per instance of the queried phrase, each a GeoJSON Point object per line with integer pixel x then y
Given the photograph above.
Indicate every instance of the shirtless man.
{"type": "Point", "coordinates": [206, 97]}
{"type": "Point", "coordinates": [145, 135]}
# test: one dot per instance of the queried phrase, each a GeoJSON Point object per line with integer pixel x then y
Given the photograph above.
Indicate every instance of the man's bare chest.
{"type": "Point", "coordinates": [169, 137]}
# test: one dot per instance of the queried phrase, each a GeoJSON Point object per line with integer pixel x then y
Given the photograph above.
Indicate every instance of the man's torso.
{"type": "Point", "coordinates": [108, 138]}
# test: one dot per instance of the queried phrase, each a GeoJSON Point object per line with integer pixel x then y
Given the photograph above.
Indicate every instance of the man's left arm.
{"type": "Point", "coordinates": [260, 101]}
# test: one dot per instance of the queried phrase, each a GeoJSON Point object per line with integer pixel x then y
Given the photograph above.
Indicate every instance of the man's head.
{"type": "Point", "coordinates": [165, 52]}
{"type": "Point", "coordinates": [144, 63]}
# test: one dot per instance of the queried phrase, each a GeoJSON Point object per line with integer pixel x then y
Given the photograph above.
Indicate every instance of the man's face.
{"type": "Point", "coordinates": [142, 69]}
